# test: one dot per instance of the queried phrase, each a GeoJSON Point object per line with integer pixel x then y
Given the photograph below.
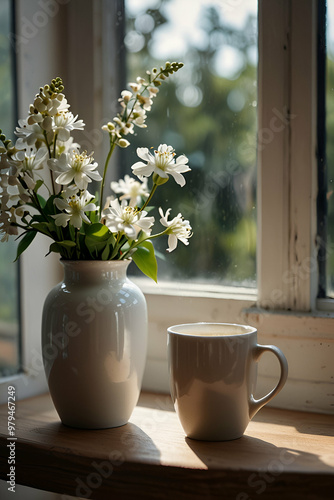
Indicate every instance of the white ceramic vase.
{"type": "Point", "coordinates": [94, 339]}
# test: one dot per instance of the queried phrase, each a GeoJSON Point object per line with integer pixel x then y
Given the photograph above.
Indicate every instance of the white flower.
{"type": "Point", "coordinates": [35, 118]}
{"type": "Point", "coordinates": [139, 116]}
{"type": "Point", "coordinates": [152, 91]}
{"type": "Point", "coordinates": [126, 219]}
{"type": "Point", "coordinates": [64, 122]}
{"type": "Point", "coordinates": [45, 104]}
{"type": "Point", "coordinates": [131, 189]}
{"type": "Point", "coordinates": [76, 167]}
{"type": "Point", "coordinates": [124, 128]}
{"type": "Point", "coordinates": [69, 191]}
{"type": "Point", "coordinates": [145, 101]}
{"type": "Point", "coordinates": [178, 229]}
{"type": "Point", "coordinates": [108, 127]}
{"type": "Point", "coordinates": [29, 181]}
{"type": "Point", "coordinates": [30, 159]}
{"type": "Point", "coordinates": [6, 162]}
{"type": "Point", "coordinates": [126, 96]}
{"type": "Point", "coordinates": [13, 195]}
{"type": "Point", "coordinates": [66, 147]}
{"type": "Point", "coordinates": [6, 229]}
{"type": "Point", "coordinates": [56, 104]}
{"type": "Point", "coordinates": [162, 163]}
{"type": "Point", "coordinates": [28, 134]}
{"type": "Point", "coordinates": [136, 86]}
{"type": "Point", "coordinates": [74, 209]}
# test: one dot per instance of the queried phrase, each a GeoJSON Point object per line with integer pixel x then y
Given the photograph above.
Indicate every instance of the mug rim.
{"type": "Point", "coordinates": [248, 329]}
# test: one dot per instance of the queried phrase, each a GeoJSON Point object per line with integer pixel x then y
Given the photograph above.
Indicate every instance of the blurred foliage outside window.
{"type": "Point", "coordinates": [330, 148]}
{"type": "Point", "coordinates": [206, 111]}
{"type": "Point", "coordinates": [9, 311]}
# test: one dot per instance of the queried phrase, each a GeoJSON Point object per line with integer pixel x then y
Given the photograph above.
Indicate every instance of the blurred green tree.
{"type": "Point", "coordinates": [211, 118]}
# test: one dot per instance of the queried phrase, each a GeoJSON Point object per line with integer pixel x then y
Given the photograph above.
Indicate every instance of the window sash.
{"type": "Point", "coordinates": [285, 311]}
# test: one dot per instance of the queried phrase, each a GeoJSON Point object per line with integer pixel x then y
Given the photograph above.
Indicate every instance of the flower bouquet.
{"type": "Point", "coordinates": [45, 176]}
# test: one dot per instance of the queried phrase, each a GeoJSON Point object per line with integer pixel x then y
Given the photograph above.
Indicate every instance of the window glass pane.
{"type": "Point", "coordinates": [206, 111]}
{"type": "Point", "coordinates": [330, 148]}
{"type": "Point", "coordinates": [9, 321]}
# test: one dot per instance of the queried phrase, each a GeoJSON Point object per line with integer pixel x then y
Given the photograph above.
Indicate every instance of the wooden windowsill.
{"type": "Point", "coordinates": [284, 454]}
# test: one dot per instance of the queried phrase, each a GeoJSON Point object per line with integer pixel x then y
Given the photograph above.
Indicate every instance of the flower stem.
{"type": "Point", "coordinates": [54, 145]}
{"type": "Point", "coordinates": [138, 243]}
{"type": "Point", "coordinates": [141, 93]}
{"type": "Point", "coordinates": [50, 156]}
{"type": "Point", "coordinates": [34, 197]}
{"type": "Point", "coordinates": [112, 147]}
{"type": "Point", "coordinates": [77, 242]}
{"type": "Point", "coordinates": [150, 197]}
{"type": "Point", "coordinates": [118, 245]}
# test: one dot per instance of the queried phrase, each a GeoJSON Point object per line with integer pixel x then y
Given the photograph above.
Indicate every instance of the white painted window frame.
{"type": "Point", "coordinates": [284, 308]}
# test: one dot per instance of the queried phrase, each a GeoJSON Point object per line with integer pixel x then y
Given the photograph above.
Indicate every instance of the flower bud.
{"type": "Point", "coordinates": [20, 212]}
{"type": "Point", "coordinates": [126, 95]}
{"type": "Point", "coordinates": [123, 143]}
{"type": "Point", "coordinates": [47, 123]}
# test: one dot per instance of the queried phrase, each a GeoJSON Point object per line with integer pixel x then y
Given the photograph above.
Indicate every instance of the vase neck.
{"type": "Point", "coordinates": [94, 271]}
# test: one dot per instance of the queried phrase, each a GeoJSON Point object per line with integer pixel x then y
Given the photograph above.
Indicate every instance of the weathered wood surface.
{"type": "Point", "coordinates": [284, 454]}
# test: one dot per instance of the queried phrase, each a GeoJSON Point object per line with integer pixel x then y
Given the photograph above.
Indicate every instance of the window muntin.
{"type": "Point", "coordinates": [208, 112]}
{"type": "Point", "coordinates": [9, 272]}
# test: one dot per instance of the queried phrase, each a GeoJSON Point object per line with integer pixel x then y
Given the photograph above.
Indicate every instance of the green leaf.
{"type": "Point", "coordinates": [97, 231]}
{"type": "Point", "coordinates": [144, 258]}
{"type": "Point", "coordinates": [93, 246]}
{"type": "Point", "coordinates": [63, 247]}
{"type": "Point", "coordinates": [55, 247]}
{"type": "Point", "coordinates": [66, 243]}
{"type": "Point", "coordinates": [41, 200]}
{"type": "Point", "coordinates": [98, 247]}
{"type": "Point", "coordinates": [42, 227]}
{"type": "Point", "coordinates": [39, 183]}
{"type": "Point", "coordinates": [50, 207]}
{"type": "Point", "coordinates": [106, 252]}
{"type": "Point", "coordinates": [25, 242]}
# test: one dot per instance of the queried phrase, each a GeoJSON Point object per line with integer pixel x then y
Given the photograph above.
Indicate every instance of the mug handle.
{"type": "Point", "coordinates": [256, 404]}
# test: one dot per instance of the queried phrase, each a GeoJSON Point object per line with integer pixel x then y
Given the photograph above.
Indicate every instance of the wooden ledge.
{"type": "Point", "coordinates": [284, 454]}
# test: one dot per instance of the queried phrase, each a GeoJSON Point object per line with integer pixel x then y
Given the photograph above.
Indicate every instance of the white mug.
{"type": "Point", "coordinates": [213, 370]}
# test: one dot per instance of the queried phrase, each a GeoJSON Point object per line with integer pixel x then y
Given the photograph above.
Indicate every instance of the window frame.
{"type": "Point", "coordinates": [285, 308]}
